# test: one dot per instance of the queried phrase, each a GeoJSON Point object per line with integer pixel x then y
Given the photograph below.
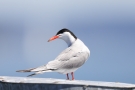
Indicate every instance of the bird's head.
{"type": "Point", "coordinates": [66, 35]}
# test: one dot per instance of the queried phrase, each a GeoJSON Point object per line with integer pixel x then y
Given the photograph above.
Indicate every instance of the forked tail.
{"type": "Point", "coordinates": [38, 70]}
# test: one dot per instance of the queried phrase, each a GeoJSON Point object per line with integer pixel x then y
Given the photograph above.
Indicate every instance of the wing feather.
{"type": "Point", "coordinates": [72, 57]}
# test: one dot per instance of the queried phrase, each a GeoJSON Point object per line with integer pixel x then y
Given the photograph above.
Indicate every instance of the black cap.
{"type": "Point", "coordinates": [66, 30]}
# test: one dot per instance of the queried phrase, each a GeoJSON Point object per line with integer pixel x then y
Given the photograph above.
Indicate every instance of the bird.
{"type": "Point", "coordinates": [69, 60]}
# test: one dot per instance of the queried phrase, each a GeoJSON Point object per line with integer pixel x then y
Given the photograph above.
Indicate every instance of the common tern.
{"type": "Point", "coordinates": [67, 61]}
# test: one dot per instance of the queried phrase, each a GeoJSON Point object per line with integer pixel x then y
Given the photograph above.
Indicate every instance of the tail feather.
{"type": "Point", "coordinates": [32, 74]}
{"type": "Point", "coordinates": [39, 72]}
{"type": "Point", "coordinates": [27, 70]}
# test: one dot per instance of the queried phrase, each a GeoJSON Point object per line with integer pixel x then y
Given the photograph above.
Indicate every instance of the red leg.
{"type": "Point", "coordinates": [67, 77]}
{"type": "Point", "coordinates": [72, 76]}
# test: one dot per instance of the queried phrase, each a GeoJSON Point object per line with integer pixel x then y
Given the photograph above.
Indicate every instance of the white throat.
{"type": "Point", "coordinates": [68, 38]}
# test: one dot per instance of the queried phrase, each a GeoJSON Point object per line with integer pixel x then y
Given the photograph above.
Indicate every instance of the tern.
{"type": "Point", "coordinates": [67, 61]}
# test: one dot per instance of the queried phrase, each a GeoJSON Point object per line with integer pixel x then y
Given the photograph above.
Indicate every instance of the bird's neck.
{"type": "Point", "coordinates": [69, 40]}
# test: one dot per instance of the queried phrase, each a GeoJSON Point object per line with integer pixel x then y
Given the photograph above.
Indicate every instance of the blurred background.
{"type": "Point", "coordinates": [107, 27]}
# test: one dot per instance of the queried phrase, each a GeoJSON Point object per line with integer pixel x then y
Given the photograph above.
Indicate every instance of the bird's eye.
{"type": "Point", "coordinates": [60, 34]}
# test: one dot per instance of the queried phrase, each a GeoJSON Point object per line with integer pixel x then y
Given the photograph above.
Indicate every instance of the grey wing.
{"type": "Point", "coordinates": [69, 59]}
